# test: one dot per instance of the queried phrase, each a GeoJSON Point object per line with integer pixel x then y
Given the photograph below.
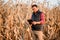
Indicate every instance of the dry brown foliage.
{"type": "Point", "coordinates": [14, 25]}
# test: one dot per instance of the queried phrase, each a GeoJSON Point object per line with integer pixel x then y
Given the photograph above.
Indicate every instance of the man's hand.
{"type": "Point", "coordinates": [34, 22]}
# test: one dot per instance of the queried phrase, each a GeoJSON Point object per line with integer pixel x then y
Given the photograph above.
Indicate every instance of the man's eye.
{"type": "Point", "coordinates": [32, 9]}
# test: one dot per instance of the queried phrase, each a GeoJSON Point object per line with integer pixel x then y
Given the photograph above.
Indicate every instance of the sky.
{"type": "Point", "coordinates": [52, 3]}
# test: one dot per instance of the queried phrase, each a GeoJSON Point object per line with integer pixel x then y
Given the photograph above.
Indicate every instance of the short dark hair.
{"type": "Point", "coordinates": [34, 5]}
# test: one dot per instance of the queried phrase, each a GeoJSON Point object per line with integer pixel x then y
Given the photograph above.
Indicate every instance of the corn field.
{"type": "Point", "coordinates": [14, 25]}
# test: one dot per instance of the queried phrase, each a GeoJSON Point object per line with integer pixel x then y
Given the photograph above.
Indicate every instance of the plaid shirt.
{"type": "Point", "coordinates": [42, 18]}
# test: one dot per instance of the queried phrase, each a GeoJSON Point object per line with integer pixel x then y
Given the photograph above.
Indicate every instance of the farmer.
{"type": "Point", "coordinates": [38, 22]}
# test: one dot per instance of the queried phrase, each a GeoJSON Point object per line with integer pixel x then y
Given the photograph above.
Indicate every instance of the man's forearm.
{"type": "Point", "coordinates": [38, 22]}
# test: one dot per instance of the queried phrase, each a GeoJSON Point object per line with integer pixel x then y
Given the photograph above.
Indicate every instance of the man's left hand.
{"type": "Point", "coordinates": [34, 22]}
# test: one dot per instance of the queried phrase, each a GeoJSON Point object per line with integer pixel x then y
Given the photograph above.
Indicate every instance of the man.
{"type": "Point", "coordinates": [38, 22]}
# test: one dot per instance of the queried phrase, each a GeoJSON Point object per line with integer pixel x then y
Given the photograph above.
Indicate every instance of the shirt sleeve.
{"type": "Point", "coordinates": [42, 18]}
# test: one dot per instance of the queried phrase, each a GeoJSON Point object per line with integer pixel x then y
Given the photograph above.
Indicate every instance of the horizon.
{"type": "Point", "coordinates": [49, 3]}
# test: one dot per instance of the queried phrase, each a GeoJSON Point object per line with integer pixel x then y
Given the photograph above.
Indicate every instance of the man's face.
{"type": "Point", "coordinates": [34, 9]}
